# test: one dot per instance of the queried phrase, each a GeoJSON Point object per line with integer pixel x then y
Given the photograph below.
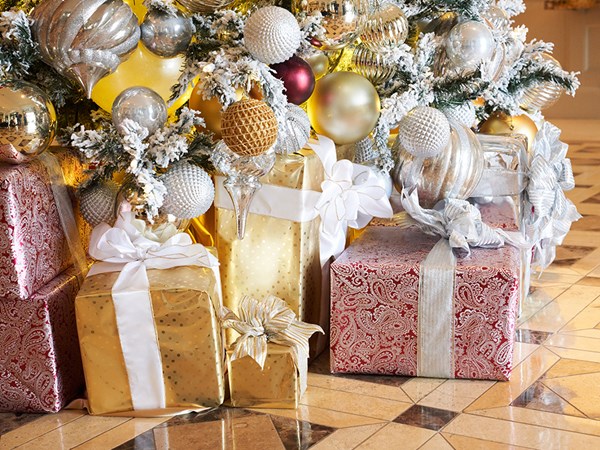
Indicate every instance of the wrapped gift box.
{"type": "Point", "coordinates": [40, 363]}
{"type": "Point", "coordinates": [375, 307]}
{"type": "Point", "coordinates": [277, 256]}
{"type": "Point", "coordinates": [184, 307]}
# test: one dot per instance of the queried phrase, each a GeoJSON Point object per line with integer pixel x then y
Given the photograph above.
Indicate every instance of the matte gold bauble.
{"type": "Point", "coordinates": [500, 123]}
{"type": "Point", "coordinates": [319, 63]}
{"type": "Point", "coordinates": [344, 107]}
{"type": "Point", "coordinates": [249, 127]}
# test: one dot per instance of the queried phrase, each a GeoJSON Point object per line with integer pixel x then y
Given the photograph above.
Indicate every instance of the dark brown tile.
{"type": "Point", "coordinates": [531, 336]}
{"type": "Point", "coordinates": [567, 255]}
{"type": "Point", "coordinates": [11, 421]}
{"type": "Point", "coordinates": [298, 434]}
{"type": "Point", "coordinates": [541, 398]}
{"type": "Point", "coordinates": [426, 417]}
{"type": "Point", "coordinates": [593, 199]}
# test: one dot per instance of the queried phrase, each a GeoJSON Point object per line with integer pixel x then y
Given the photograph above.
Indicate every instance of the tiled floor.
{"type": "Point", "coordinates": [551, 401]}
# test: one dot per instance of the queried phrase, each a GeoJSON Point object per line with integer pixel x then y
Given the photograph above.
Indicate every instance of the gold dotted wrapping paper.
{"type": "Point", "coordinates": [184, 301]}
{"type": "Point", "coordinates": [276, 386]}
{"type": "Point", "coordinates": [277, 256]}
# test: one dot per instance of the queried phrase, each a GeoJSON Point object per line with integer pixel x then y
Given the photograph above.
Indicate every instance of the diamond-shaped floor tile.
{"type": "Point", "coordinates": [426, 417]}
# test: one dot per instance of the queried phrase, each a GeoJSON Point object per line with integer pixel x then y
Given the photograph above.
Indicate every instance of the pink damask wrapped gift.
{"type": "Point", "coordinates": [40, 362]}
{"type": "Point", "coordinates": [376, 308]}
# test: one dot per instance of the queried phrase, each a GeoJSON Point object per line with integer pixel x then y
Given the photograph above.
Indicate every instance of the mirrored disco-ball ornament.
{"type": "Point", "coordinates": [204, 6]}
{"type": "Point", "coordinates": [272, 34]}
{"type": "Point", "coordinates": [424, 132]}
{"type": "Point", "coordinates": [97, 203]}
{"type": "Point", "coordinates": [469, 43]}
{"type": "Point", "coordinates": [297, 130]}
{"type": "Point", "coordinates": [543, 95]}
{"type": "Point", "coordinates": [166, 34]}
{"type": "Point", "coordinates": [143, 106]}
{"type": "Point", "coordinates": [373, 66]}
{"type": "Point", "coordinates": [190, 191]}
{"type": "Point", "coordinates": [27, 121]}
{"type": "Point", "coordinates": [343, 20]}
{"type": "Point", "coordinates": [386, 28]}
{"type": "Point", "coordinates": [85, 40]}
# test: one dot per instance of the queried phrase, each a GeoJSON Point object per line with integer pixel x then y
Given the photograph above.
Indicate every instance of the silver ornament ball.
{"type": "Point", "coordinates": [470, 43]}
{"type": "Point", "coordinates": [141, 105]}
{"type": "Point", "coordinates": [98, 202]}
{"type": "Point", "coordinates": [166, 34]}
{"type": "Point", "coordinates": [365, 151]}
{"type": "Point", "coordinates": [496, 17]}
{"type": "Point", "coordinates": [542, 95]}
{"type": "Point", "coordinates": [190, 191]}
{"type": "Point", "coordinates": [27, 119]}
{"type": "Point", "coordinates": [272, 34]}
{"type": "Point", "coordinates": [297, 130]}
{"type": "Point", "coordinates": [424, 132]}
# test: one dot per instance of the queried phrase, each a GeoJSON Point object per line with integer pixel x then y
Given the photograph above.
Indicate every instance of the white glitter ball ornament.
{"type": "Point", "coordinates": [190, 191]}
{"type": "Point", "coordinates": [272, 35]}
{"type": "Point", "coordinates": [424, 132]}
{"type": "Point", "coordinates": [463, 114]}
{"type": "Point", "coordinates": [365, 151]}
{"type": "Point", "coordinates": [297, 127]}
{"type": "Point", "coordinates": [97, 203]}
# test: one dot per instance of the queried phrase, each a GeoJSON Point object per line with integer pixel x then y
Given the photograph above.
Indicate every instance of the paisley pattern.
{"type": "Point", "coordinates": [374, 306]}
{"type": "Point", "coordinates": [40, 363]}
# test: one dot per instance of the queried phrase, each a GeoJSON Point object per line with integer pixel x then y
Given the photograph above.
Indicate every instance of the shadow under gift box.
{"type": "Point", "coordinates": [184, 302]}
{"type": "Point", "coordinates": [375, 307]}
{"type": "Point", "coordinates": [40, 363]}
{"type": "Point", "coordinates": [277, 256]}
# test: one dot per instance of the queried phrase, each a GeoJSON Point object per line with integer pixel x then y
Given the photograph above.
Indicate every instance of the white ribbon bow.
{"type": "Point", "coordinates": [352, 195]}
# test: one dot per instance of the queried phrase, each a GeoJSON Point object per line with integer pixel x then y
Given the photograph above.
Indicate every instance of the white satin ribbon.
{"type": "Point", "coordinates": [130, 249]}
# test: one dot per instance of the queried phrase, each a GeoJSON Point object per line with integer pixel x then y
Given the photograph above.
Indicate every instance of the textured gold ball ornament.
{"type": "Point", "coordinates": [543, 95]}
{"type": "Point", "coordinates": [249, 127]}
{"type": "Point", "coordinates": [344, 107]}
{"type": "Point", "coordinates": [500, 123]}
{"type": "Point", "coordinates": [453, 173]}
{"type": "Point", "coordinates": [373, 66]}
{"type": "Point", "coordinates": [386, 28]}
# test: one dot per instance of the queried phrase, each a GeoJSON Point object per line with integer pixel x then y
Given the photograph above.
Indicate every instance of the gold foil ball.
{"type": "Point", "coordinates": [319, 63]}
{"type": "Point", "coordinates": [249, 127]}
{"type": "Point", "coordinates": [500, 123]}
{"type": "Point", "coordinates": [344, 107]}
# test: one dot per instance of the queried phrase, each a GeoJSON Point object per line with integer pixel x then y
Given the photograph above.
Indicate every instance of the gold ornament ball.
{"type": "Point", "coordinates": [500, 123]}
{"type": "Point", "coordinates": [344, 107]}
{"type": "Point", "coordinates": [319, 63]}
{"type": "Point", "coordinates": [249, 127]}
{"type": "Point", "coordinates": [543, 95]}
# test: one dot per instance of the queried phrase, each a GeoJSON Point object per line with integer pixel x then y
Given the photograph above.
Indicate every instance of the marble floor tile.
{"type": "Point", "coordinates": [456, 395]}
{"type": "Point", "coordinates": [325, 417]}
{"type": "Point", "coordinates": [12, 421]}
{"type": "Point", "coordinates": [358, 386]}
{"type": "Point", "coordinates": [569, 353]}
{"type": "Point", "coordinates": [589, 281]}
{"type": "Point", "coordinates": [459, 442]}
{"type": "Point", "coordinates": [521, 351]}
{"type": "Point", "coordinates": [426, 417]}
{"type": "Point", "coordinates": [399, 435]}
{"type": "Point", "coordinates": [582, 391]}
{"type": "Point", "coordinates": [574, 342]}
{"type": "Point", "coordinates": [347, 438]}
{"type": "Point", "coordinates": [541, 397]}
{"type": "Point", "coordinates": [437, 442]}
{"type": "Point", "coordinates": [121, 434]}
{"type": "Point", "coordinates": [417, 388]}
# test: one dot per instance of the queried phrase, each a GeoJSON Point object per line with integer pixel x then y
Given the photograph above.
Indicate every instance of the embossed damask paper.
{"type": "Point", "coordinates": [375, 297]}
{"type": "Point", "coordinates": [40, 363]}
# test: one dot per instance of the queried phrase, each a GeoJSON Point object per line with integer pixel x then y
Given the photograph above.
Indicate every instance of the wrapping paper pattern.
{"type": "Point", "coordinates": [374, 306]}
{"type": "Point", "coordinates": [40, 363]}
{"type": "Point", "coordinates": [184, 302]}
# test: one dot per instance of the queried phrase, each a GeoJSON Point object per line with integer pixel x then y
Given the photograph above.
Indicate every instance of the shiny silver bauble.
{"type": "Point", "coordinates": [141, 105]}
{"type": "Point", "coordinates": [469, 44]}
{"type": "Point", "coordinates": [166, 34]}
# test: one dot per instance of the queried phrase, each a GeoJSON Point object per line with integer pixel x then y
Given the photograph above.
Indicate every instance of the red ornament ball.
{"type": "Point", "coordinates": [298, 79]}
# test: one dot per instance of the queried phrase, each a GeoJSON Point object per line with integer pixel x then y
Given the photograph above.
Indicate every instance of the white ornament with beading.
{"type": "Point", "coordinates": [424, 132]}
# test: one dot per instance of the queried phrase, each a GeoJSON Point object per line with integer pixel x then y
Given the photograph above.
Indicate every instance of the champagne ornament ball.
{"type": "Point", "coordinates": [249, 127]}
{"type": "Point", "coordinates": [470, 43]}
{"type": "Point", "coordinates": [386, 28]}
{"type": "Point", "coordinates": [424, 132]}
{"type": "Point", "coordinates": [166, 34]}
{"type": "Point", "coordinates": [272, 34]}
{"type": "Point", "coordinates": [97, 203]}
{"type": "Point", "coordinates": [500, 123]}
{"type": "Point", "coordinates": [319, 63]}
{"type": "Point", "coordinates": [141, 105]}
{"type": "Point", "coordinates": [544, 94]}
{"type": "Point", "coordinates": [374, 66]}
{"type": "Point", "coordinates": [190, 191]}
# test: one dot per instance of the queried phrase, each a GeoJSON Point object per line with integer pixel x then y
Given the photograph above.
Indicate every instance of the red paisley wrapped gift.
{"type": "Point", "coordinates": [376, 306]}
{"type": "Point", "coordinates": [40, 362]}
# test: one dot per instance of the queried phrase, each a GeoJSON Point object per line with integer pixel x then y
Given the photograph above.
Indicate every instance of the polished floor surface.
{"type": "Point", "coordinates": [551, 401]}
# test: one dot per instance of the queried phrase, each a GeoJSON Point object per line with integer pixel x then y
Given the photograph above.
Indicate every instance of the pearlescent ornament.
{"type": "Point", "coordinates": [166, 34]}
{"type": "Point", "coordinates": [319, 63]}
{"type": "Point", "coordinates": [27, 120]}
{"type": "Point", "coordinates": [204, 6]}
{"type": "Point", "coordinates": [143, 106]}
{"type": "Point", "coordinates": [298, 79]}
{"type": "Point", "coordinates": [343, 20]}
{"type": "Point", "coordinates": [190, 191]}
{"type": "Point", "coordinates": [85, 40]}
{"type": "Point", "coordinates": [97, 203]}
{"type": "Point", "coordinates": [344, 107]}
{"type": "Point", "coordinates": [272, 34]}
{"type": "Point", "coordinates": [373, 66]}
{"type": "Point", "coordinates": [297, 131]}
{"type": "Point", "coordinates": [424, 132]}
{"type": "Point", "coordinates": [386, 28]}
{"type": "Point", "coordinates": [496, 17]}
{"type": "Point", "coordinates": [470, 43]}
{"type": "Point", "coordinates": [544, 94]}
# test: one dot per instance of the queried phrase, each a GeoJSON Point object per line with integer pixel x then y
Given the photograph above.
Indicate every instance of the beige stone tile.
{"type": "Point", "coordinates": [323, 416]}
{"type": "Point", "coordinates": [524, 435]}
{"type": "Point", "coordinates": [417, 388]}
{"type": "Point", "coordinates": [589, 281]}
{"type": "Point", "coordinates": [570, 353]}
{"type": "Point", "coordinates": [357, 387]}
{"type": "Point", "coordinates": [555, 279]}
{"type": "Point", "coordinates": [563, 309]}
{"type": "Point", "coordinates": [437, 442]}
{"type": "Point", "coordinates": [573, 342]}
{"type": "Point", "coordinates": [586, 319]}
{"type": "Point", "coordinates": [402, 436]}
{"type": "Point", "coordinates": [456, 395]}
{"type": "Point", "coordinates": [348, 402]}
{"type": "Point", "coordinates": [468, 443]}
{"type": "Point", "coordinates": [521, 351]}
{"type": "Point", "coordinates": [121, 433]}
{"type": "Point", "coordinates": [593, 333]}
{"type": "Point", "coordinates": [582, 238]}
{"type": "Point", "coordinates": [75, 432]}
{"type": "Point", "coordinates": [568, 367]}
{"type": "Point", "coordinates": [38, 427]}
{"type": "Point", "coordinates": [347, 438]}
{"type": "Point", "coordinates": [540, 298]}
{"type": "Point", "coordinates": [581, 391]}
{"type": "Point", "coordinates": [523, 376]}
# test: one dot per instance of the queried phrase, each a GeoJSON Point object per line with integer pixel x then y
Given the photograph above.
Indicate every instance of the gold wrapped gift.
{"type": "Point", "coordinates": [184, 302]}
{"type": "Point", "coordinates": [277, 256]}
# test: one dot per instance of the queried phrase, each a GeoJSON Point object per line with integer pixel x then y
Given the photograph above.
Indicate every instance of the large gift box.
{"type": "Point", "coordinates": [279, 254]}
{"type": "Point", "coordinates": [40, 363]}
{"type": "Point", "coordinates": [389, 315]}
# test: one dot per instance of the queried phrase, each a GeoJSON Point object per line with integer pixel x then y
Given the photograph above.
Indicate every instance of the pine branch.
{"type": "Point", "coordinates": [458, 89]}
